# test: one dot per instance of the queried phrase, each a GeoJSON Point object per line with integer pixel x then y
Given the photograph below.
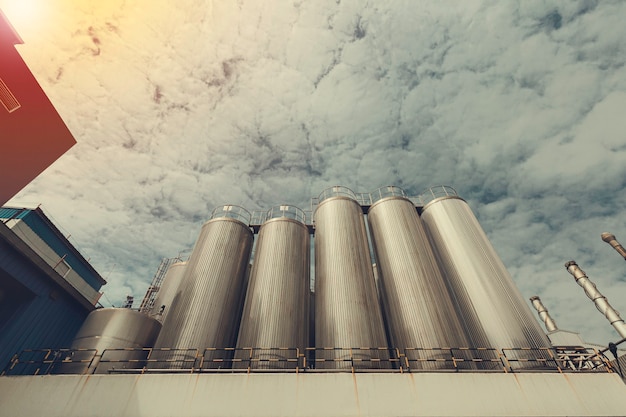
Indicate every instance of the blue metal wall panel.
{"type": "Point", "coordinates": [50, 319]}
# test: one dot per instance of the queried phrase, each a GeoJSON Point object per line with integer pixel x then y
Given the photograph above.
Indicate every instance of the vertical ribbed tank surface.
{"type": "Point", "coordinates": [276, 311]}
{"type": "Point", "coordinates": [347, 312]}
{"type": "Point", "coordinates": [492, 308]}
{"type": "Point", "coordinates": [207, 307]}
{"type": "Point", "coordinates": [169, 287]}
{"type": "Point", "coordinates": [418, 306]}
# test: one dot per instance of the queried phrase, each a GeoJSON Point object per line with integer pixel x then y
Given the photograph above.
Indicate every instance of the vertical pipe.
{"type": "Point", "coordinates": [610, 239]}
{"type": "Point", "coordinates": [542, 311]}
{"type": "Point", "coordinates": [598, 299]}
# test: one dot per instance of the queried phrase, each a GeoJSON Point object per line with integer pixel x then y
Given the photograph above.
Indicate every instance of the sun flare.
{"type": "Point", "coordinates": [25, 15]}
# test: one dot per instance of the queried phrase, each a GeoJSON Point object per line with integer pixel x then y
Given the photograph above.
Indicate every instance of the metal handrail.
{"type": "Point", "coordinates": [336, 191]}
{"type": "Point", "coordinates": [387, 191]}
{"type": "Point", "coordinates": [287, 211]}
{"type": "Point", "coordinates": [252, 358]}
{"type": "Point", "coordinates": [320, 359]}
{"type": "Point", "coordinates": [457, 359]}
{"type": "Point", "coordinates": [50, 359]}
{"type": "Point", "coordinates": [435, 192]}
{"type": "Point", "coordinates": [232, 212]}
{"type": "Point", "coordinates": [329, 358]}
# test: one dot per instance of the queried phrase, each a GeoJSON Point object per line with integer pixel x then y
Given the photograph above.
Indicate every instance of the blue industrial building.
{"type": "Point", "coordinates": [47, 288]}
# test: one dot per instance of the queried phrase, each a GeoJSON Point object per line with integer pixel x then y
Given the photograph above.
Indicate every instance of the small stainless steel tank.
{"type": "Point", "coordinates": [167, 292]}
{"type": "Point", "coordinates": [110, 331]}
{"type": "Point", "coordinates": [347, 312]}
{"type": "Point", "coordinates": [275, 321]}
{"type": "Point", "coordinates": [207, 307]}
{"type": "Point", "coordinates": [492, 308]}
{"type": "Point", "coordinates": [420, 313]}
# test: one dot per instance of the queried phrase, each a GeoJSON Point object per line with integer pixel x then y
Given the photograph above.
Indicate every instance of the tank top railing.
{"type": "Point", "coordinates": [311, 360]}
{"type": "Point", "coordinates": [257, 217]}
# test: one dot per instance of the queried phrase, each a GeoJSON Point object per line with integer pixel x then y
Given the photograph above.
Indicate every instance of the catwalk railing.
{"type": "Point", "coordinates": [309, 360]}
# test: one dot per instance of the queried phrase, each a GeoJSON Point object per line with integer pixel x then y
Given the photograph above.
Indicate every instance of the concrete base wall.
{"type": "Point", "coordinates": [314, 394]}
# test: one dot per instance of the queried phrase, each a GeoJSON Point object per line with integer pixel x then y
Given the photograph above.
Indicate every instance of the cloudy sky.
{"type": "Point", "coordinates": [179, 107]}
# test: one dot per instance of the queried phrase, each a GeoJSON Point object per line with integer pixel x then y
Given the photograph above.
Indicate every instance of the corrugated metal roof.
{"type": "Point", "coordinates": [13, 213]}
{"type": "Point", "coordinates": [52, 236]}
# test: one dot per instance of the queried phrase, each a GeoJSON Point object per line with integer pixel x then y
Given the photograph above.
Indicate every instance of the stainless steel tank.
{"type": "Point", "coordinates": [169, 287]}
{"type": "Point", "coordinates": [491, 307]}
{"type": "Point", "coordinates": [275, 320]}
{"type": "Point", "coordinates": [207, 307]}
{"type": "Point", "coordinates": [418, 307]}
{"type": "Point", "coordinates": [347, 312]}
{"type": "Point", "coordinates": [110, 331]}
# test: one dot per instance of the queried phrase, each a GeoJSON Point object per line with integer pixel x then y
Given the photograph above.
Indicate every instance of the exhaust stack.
{"type": "Point", "coordinates": [610, 239]}
{"type": "Point", "coordinates": [543, 314]}
{"type": "Point", "coordinates": [599, 300]}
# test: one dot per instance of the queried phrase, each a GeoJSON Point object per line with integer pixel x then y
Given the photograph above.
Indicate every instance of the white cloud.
{"type": "Point", "coordinates": [180, 108]}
